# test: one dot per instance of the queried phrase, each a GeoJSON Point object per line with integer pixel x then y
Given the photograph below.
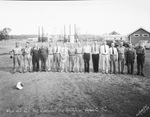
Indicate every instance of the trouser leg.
{"type": "Point", "coordinates": [97, 63]}
{"type": "Point", "coordinates": [142, 63]}
{"type": "Point", "coordinates": [19, 62]}
{"type": "Point", "coordinates": [110, 66]}
{"type": "Point", "coordinates": [44, 63]}
{"type": "Point", "coordinates": [14, 63]}
{"type": "Point", "coordinates": [33, 64]}
{"type": "Point", "coordinates": [103, 63]}
{"type": "Point", "coordinates": [107, 63]}
{"type": "Point", "coordinates": [122, 65]}
{"type": "Point", "coordinates": [93, 60]}
{"type": "Point", "coordinates": [132, 67]}
{"type": "Point", "coordinates": [119, 65]}
{"type": "Point", "coordinates": [138, 65]}
{"type": "Point", "coordinates": [114, 67]}
{"type": "Point", "coordinates": [80, 63]}
{"type": "Point", "coordinates": [49, 62]}
{"type": "Point", "coordinates": [37, 67]}
{"type": "Point", "coordinates": [128, 67]}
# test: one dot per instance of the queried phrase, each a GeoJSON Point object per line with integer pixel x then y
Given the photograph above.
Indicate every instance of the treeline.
{"type": "Point", "coordinates": [23, 36]}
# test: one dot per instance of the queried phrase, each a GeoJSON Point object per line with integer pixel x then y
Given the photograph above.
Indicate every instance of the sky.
{"type": "Point", "coordinates": [91, 17]}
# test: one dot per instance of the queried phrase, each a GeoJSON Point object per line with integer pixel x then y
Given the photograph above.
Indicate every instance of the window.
{"type": "Point", "coordinates": [145, 35]}
{"type": "Point", "coordinates": [136, 35]}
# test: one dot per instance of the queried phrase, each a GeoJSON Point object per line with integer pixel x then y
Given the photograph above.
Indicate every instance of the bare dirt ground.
{"type": "Point", "coordinates": [71, 94]}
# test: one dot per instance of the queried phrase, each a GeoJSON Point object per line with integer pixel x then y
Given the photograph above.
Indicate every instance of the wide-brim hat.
{"type": "Point", "coordinates": [19, 85]}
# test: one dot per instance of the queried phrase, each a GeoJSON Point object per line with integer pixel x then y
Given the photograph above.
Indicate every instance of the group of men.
{"type": "Point", "coordinates": [70, 59]}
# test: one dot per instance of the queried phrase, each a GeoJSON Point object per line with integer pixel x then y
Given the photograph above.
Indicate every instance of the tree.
{"type": "Point", "coordinates": [4, 34]}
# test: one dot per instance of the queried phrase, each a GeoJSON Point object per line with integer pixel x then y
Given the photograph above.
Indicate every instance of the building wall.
{"type": "Point", "coordinates": [134, 40]}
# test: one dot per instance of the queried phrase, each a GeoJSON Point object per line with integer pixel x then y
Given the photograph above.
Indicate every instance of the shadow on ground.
{"type": "Point", "coordinates": [6, 69]}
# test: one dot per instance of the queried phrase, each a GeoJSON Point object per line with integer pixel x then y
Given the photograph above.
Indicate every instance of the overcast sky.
{"type": "Point", "coordinates": [94, 17]}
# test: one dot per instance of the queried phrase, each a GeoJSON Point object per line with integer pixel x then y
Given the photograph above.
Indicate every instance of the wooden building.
{"type": "Point", "coordinates": [139, 35]}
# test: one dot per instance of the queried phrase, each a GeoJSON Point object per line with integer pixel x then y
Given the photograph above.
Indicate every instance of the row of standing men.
{"type": "Point", "coordinates": [60, 58]}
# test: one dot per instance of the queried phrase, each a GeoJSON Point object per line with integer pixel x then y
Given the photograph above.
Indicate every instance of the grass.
{"type": "Point", "coordinates": [71, 94]}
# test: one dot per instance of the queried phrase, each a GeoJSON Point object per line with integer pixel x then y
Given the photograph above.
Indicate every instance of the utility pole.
{"type": "Point", "coordinates": [64, 33]}
{"type": "Point", "coordinates": [75, 35]}
{"type": "Point", "coordinates": [42, 34]}
{"type": "Point", "coordinates": [39, 39]}
{"type": "Point", "coordinates": [69, 31]}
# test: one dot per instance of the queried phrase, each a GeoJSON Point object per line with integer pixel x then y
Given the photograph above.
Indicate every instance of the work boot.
{"type": "Point", "coordinates": [142, 74]}
{"type": "Point", "coordinates": [14, 71]}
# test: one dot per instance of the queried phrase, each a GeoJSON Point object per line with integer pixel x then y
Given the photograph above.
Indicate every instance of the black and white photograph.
{"type": "Point", "coordinates": [75, 58]}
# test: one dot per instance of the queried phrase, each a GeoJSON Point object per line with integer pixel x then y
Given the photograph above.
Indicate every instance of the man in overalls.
{"type": "Point", "coordinates": [16, 54]}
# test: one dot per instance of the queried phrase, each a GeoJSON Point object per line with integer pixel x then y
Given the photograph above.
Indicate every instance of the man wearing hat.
{"type": "Point", "coordinates": [35, 57]}
{"type": "Point", "coordinates": [104, 50]}
{"type": "Point", "coordinates": [27, 57]}
{"type": "Point", "coordinates": [43, 53]}
{"type": "Point", "coordinates": [140, 52]}
{"type": "Point", "coordinates": [16, 54]}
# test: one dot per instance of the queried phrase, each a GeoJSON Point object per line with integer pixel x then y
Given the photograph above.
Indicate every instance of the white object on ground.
{"type": "Point", "coordinates": [19, 85]}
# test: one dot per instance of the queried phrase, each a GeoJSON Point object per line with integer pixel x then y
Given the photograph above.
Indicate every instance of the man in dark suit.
{"type": "Point", "coordinates": [130, 57]}
{"type": "Point", "coordinates": [43, 53]}
{"type": "Point", "coordinates": [35, 57]}
{"type": "Point", "coordinates": [140, 52]}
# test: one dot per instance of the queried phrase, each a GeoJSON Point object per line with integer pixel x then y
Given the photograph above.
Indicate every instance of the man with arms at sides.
{"type": "Point", "coordinates": [140, 52]}
{"type": "Point", "coordinates": [130, 57]}
{"type": "Point", "coordinates": [86, 57]}
{"type": "Point", "coordinates": [50, 57]}
{"type": "Point", "coordinates": [43, 57]}
{"type": "Point", "coordinates": [95, 56]}
{"type": "Point", "coordinates": [35, 57]}
{"type": "Point", "coordinates": [16, 54]}
{"type": "Point", "coordinates": [79, 57]}
{"type": "Point", "coordinates": [121, 58]}
{"type": "Point", "coordinates": [104, 50]}
{"type": "Point", "coordinates": [72, 52]}
{"type": "Point", "coordinates": [64, 58]}
{"type": "Point", "coordinates": [57, 57]}
{"type": "Point", "coordinates": [27, 57]}
{"type": "Point", "coordinates": [113, 58]}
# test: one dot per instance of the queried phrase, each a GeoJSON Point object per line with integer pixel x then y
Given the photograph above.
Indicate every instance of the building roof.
{"type": "Point", "coordinates": [114, 33]}
{"type": "Point", "coordinates": [138, 30]}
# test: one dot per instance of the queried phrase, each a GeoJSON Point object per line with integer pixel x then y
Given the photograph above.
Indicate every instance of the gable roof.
{"type": "Point", "coordinates": [138, 30]}
{"type": "Point", "coordinates": [114, 33]}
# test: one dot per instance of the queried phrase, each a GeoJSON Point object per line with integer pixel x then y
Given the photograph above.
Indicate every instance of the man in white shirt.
{"type": "Point", "coordinates": [104, 50]}
{"type": "Point", "coordinates": [95, 56]}
{"type": "Point", "coordinates": [64, 58]}
{"type": "Point", "coordinates": [57, 57]}
{"type": "Point", "coordinates": [27, 57]}
{"type": "Point", "coordinates": [113, 58]}
{"type": "Point", "coordinates": [79, 57]}
{"type": "Point", "coordinates": [86, 57]}
{"type": "Point", "coordinates": [50, 57]}
{"type": "Point", "coordinates": [16, 54]}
